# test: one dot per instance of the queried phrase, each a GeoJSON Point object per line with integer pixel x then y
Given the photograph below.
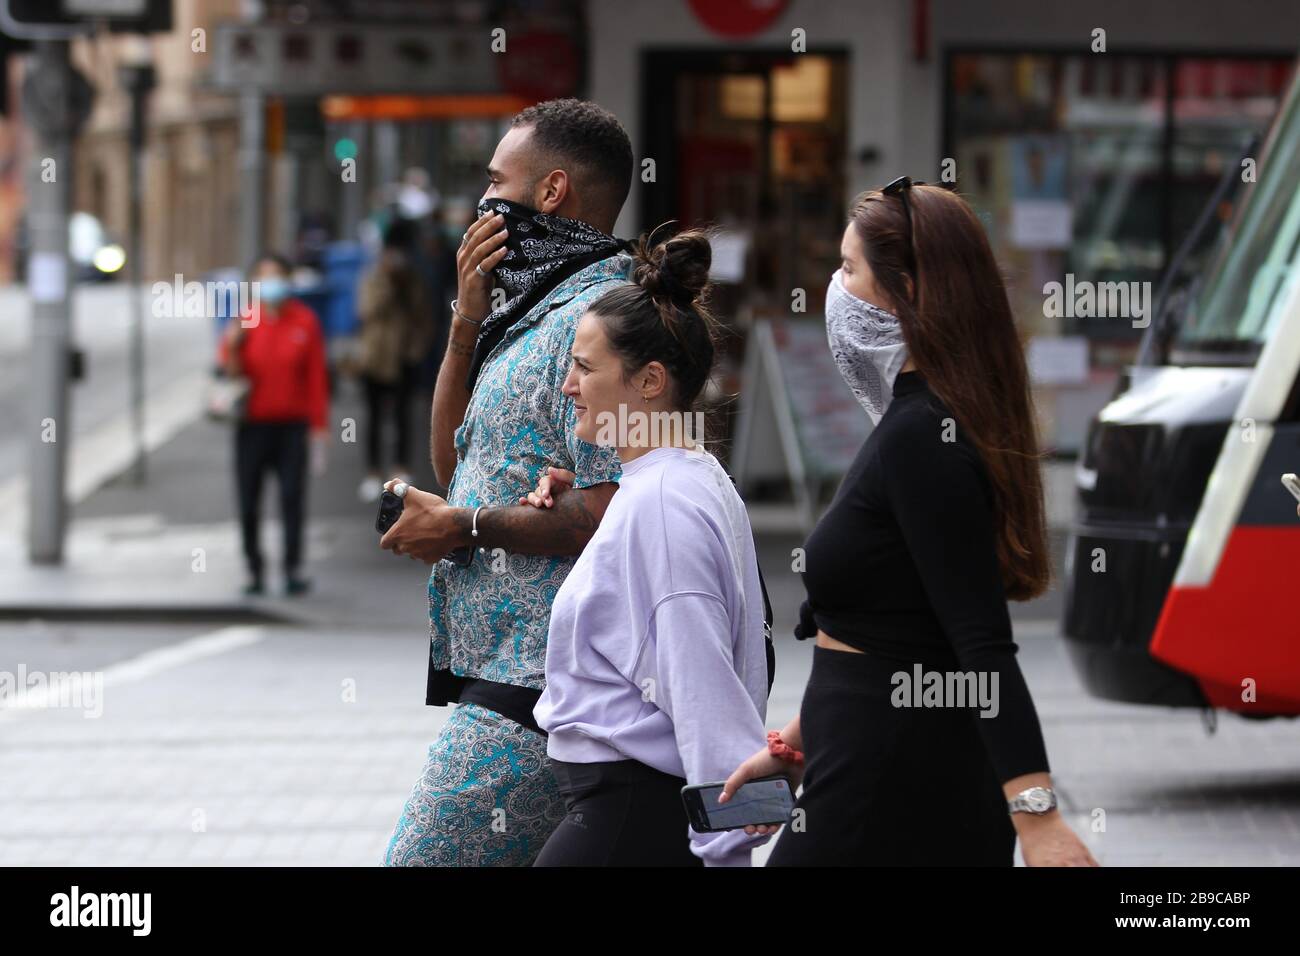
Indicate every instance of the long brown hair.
{"type": "Point", "coordinates": [956, 320]}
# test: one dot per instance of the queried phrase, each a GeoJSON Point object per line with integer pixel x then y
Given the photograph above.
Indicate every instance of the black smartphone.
{"type": "Point", "coordinates": [462, 557]}
{"type": "Point", "coordinates": [390, 509]}
{"type": "Point", "coordinates": [767, 800]}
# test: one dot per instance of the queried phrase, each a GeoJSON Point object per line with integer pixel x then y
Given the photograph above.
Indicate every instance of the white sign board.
{"type": "Point", "coordinates": [343, 59]}
{"type": "Point", "coordinates": [47, 276]}
{"type": "Point", "coordinates": [1058, 360]}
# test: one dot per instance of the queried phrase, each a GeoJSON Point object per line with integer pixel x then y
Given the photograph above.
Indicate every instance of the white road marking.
{"type": "Point", "coordinates": [144, 666]}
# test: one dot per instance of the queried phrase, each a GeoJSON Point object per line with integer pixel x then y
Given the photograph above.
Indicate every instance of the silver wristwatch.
{"type": "Point", "coordinates": [1035, 800]}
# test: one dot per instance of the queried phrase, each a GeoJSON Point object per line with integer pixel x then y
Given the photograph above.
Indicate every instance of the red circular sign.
{"type": "Point", "coordinates": [738, 18]}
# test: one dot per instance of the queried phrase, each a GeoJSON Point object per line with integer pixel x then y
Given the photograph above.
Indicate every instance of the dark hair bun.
{"type": "Point", "coordinates": [662, 315]}
{"type": "Point", "coordinates": [676, 269]}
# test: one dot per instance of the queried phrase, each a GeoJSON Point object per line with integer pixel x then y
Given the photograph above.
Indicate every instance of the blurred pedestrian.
{"type": "Point", "coordinates": [656, 663]}
{"type": "Point", "coordinates": [436, 262]}
{"type": "Point", "coordinates": [279, 349]}
{"type": "Point", "coordinates": [937, 523]}
{"type": "Point", "coordinates": [396, 330]}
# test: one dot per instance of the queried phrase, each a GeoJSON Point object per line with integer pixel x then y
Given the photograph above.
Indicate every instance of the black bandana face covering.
{"type": "Point", "coordinates": [544, 251]}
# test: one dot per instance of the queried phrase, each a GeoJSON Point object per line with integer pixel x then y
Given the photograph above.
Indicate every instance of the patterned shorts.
{"type": "Point", "coordinates": [486, 797]}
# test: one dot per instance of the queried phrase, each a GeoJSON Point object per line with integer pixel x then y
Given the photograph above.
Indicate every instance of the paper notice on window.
{"type": "Point", "coordinates": [730, 247]}
{"type": "Point", "coordinates": [1058, 360]}
{"type": "Point", "coordinates": [1042, 216]}
{"type": "Point", "coordinates": [1041, 224]}
{"type": "Point", "coordinates": [47, 276]}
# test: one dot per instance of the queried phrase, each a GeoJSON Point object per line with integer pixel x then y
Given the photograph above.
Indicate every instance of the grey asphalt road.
{"type": "Point", "coordinates": [271, 745]}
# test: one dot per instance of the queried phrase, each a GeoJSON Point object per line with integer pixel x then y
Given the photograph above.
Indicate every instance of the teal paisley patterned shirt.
{"type": "Point", "coordinates": [490, 620]}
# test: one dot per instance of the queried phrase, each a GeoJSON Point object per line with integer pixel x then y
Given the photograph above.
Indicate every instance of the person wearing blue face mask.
{"type": "Point", "coordinates": [279, 349]}
{"type": "Point", "coordinates": [917, 740]}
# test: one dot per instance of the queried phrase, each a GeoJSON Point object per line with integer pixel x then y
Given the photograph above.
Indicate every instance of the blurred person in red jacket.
{"type": "Point", "coordinates": [280, 350]}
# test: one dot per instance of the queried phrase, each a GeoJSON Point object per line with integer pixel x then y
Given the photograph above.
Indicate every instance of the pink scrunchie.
{"type": "Point", "coordinates": [781, 750]}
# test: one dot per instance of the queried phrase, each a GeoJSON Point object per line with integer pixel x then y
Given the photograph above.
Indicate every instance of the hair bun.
{"type": "Point", "coordinates": [676, 269]}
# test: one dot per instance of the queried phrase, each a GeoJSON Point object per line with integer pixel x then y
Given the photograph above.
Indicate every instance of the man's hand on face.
{"type": "Point", "coordinates": [481, 248]}
{"type": "Point", "coordinates": [428, 529]}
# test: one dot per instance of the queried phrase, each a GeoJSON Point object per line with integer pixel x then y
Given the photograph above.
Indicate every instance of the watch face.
{"type": "Point", "coordinates": [1038, 800]}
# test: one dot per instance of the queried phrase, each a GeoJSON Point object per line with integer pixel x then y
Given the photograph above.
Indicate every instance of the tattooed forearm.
{"type": "Point", "coordinates": [450, 399]}
{"type": "Point", "coordinates": [563, 529]}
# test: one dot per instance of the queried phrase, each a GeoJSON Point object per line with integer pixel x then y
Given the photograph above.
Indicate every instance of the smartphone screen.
{"type": "Point", "coordinates": [759, 801]}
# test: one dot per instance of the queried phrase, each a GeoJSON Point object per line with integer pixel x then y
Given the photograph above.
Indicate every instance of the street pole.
{"type": "Point", "coordinates": [137, 79]}
{"type": "Point", "coordinates": [252, 160]}
{"type": "Point", "coordinates": [56, 101]}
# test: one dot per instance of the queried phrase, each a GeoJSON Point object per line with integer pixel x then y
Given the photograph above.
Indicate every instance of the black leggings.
{"type": "Point", "coordinates": [280, 447]}
{"type": "Point", "coordinates": [620, 813]}
{"type": "Point", "coordinates": [890, 786]}
{"type": "Point", "coordinates": [395, 399]}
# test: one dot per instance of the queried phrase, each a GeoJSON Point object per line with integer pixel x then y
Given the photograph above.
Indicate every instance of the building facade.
{"type": "Point", "coordinates": [1088, 137]}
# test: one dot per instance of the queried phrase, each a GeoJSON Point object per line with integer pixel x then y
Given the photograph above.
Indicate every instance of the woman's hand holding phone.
{"type": "Point", "coordinates": [761, 764]}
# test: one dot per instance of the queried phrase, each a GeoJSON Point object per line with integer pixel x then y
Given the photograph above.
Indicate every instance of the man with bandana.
{"type": "Point", "coordinates": [540, 252]}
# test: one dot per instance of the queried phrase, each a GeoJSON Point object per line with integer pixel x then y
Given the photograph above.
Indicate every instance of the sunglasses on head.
{"type": "Point", "coordinates": [900, 188]}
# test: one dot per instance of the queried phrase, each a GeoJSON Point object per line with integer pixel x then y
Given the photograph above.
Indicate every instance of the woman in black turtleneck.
{"type": "Point", "coordinates": [920, 739]}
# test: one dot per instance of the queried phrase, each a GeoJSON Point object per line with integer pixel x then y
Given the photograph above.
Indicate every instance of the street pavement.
{"type": "Point", "coordinates": [271, 744]}
{"type": "Point", "coordinates": [178, 351]}
{"type": "Point", "coordinates": [289, 731]}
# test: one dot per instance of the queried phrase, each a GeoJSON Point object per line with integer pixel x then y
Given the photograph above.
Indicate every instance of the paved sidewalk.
{"type": "Point", "coordinates": [171, 547]}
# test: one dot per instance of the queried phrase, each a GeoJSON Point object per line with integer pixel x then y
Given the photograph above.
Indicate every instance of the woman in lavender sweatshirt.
{"type": "Point", "coordinates": [656, 670]}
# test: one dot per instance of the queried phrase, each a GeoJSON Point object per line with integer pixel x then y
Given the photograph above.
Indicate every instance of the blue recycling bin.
{"type": "Point", "coordinates": [333, 298]}
{"type": "Point", "coordinates": [342, 264]}
{"type": "Point", "coordinates": [225, 296]}
{"type": "Point", "coordinates": [317, 298]}
{"type": "Point", "coordinates": [226, 291]}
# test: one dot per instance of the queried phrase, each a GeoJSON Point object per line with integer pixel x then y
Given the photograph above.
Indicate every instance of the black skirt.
{"type": "Point", "coordinates": [887, 785]}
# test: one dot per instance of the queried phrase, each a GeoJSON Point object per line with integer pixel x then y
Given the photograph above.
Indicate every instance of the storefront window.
{"type": "Point", "coordinates": [757, 143]}
{"type": "Point", "coordinates": [1097, 166]}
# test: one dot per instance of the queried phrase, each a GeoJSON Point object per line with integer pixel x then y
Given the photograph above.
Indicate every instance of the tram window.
{"type": "Point", "coordinates": [1258, 252]}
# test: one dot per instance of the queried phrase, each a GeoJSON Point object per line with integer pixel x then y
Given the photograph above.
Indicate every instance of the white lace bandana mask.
{"type": "Point", "coordinates": [867, 344]}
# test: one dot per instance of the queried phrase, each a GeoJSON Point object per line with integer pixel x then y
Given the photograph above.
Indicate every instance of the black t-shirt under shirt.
{"type": "Point", "coordinates": [903, 565]}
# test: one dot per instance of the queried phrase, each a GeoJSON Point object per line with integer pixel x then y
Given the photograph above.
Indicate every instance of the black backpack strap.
{"type": "Point", "coordinates": [767, 617]}
{"type": "Point", "coordinates": [767, 625]}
